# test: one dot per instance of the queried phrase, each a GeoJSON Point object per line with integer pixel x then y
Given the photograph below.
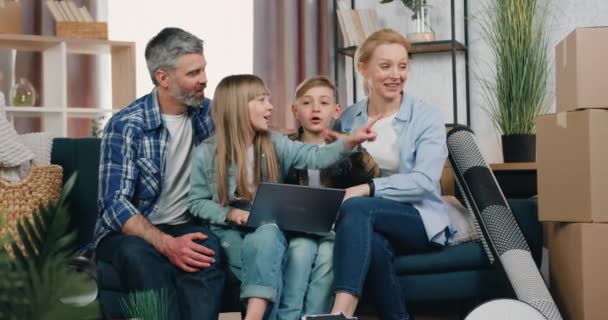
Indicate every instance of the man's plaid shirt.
{"type": "Point", "coordinates": [132, 163]}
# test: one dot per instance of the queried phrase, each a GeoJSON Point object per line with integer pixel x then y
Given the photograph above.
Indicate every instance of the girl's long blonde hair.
{"type": "Point", "coordinates": [230, 114]}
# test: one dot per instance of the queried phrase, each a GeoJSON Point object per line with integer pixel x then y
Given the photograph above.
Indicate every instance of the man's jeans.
{"type": "Point", "coordinates": [308, 277]}
{"type": "Point", "coordinates": [196, 295]}
{"type": "Point", "coordinates": [369, 232]}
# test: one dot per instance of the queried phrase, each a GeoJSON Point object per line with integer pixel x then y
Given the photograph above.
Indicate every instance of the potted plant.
{"type": "Point", "coordinates": [147, 305]}
{"type": "Point", "coordinates": [37, 279]}
{"type": "Point", "coordinates": [516, 33]}
{"type": "Point", "coordinates": [420, 23]}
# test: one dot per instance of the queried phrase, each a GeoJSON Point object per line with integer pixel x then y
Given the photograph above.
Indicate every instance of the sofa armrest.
{"type": "Point", "coordinates": [526, 215]}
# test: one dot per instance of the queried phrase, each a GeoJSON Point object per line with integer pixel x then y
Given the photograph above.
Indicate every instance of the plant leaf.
{"type": "Point", "coordinates": [34, 282]}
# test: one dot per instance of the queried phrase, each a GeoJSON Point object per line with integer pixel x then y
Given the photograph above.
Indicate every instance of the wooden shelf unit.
{"type": "Point", "coordinates": [419, 47]}
{"type": "Point", "coordinates": [450, 46]}
{"type": "Point", "coordinates": [55, 111]}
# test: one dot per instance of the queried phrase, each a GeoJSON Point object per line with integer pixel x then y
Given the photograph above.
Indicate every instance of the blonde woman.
{"type": "Point", "coordinates": [402, 211]}
{"type": "Point", "coordinates": [230, 166]}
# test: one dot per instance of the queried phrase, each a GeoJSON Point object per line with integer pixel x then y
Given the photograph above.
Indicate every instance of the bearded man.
{"type": "Point", "coordinates": [144, 229]}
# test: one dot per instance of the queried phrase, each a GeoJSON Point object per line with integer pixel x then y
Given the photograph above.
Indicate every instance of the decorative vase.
{"type": "Point", "coordinates": [519, 148]}
{"type": "Point", "coordinates": [23, 93]}
{"type": "Point", "coordinates": [420, 25]}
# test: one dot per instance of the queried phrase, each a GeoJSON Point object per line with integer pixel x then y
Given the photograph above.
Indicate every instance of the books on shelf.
{"type": "Point", "coordinates": [356, 24]}
{"type": "Point", "coordinates": [68, 11]}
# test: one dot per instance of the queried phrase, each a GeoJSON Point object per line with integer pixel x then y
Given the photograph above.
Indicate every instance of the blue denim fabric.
{"type": "Point", "coordinates": [231, 243]}
{"type": "Point", "coordinates": [308, 278]}
{"type": "Point", "coordinates": [263, 258]}
{"type": "Point", "coordinates": [369, 232]}
{"type": "Point", "coordinates": [203, 197]}
{"type": "Point", "coordinates": [191, 295]}
{"type": "Point", "coordinates": [422, 153]}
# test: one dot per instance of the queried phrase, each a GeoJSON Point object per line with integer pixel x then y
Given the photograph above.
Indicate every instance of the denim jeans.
{"type": "Point", "coordinates": [369, 232]}
{"type": "Point", "coordinates": [196, 295]}
{"type": "Point", "coordinates": [308, 277]}
{"type": "Point", "coordinates": [263, 258]}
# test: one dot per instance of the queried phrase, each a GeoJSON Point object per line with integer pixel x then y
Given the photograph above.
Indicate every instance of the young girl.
{"type": "Point", "coordinates": [231, 165]}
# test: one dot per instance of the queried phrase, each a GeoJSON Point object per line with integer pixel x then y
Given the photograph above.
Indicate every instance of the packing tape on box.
{"type": "Point", "coordinates": [562, 120]}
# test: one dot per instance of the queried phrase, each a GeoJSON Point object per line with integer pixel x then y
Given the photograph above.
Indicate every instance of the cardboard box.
{"type": "Point", "coordinates": [581, 68]}
{"type": "Point", "coordinates": [82, 30]}
{"type": "Point", "coordinates": [10, 17]}
{"type": "Point", "coordinates": [572, 161]}
{"type": "Point", "coordinates": [230, 316]}
{"type": "Point", "coordinates": [579, 270]}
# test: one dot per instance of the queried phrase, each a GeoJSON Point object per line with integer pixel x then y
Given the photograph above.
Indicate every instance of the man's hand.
{"type": "Point", "coordinates": [181, 251]}
{"type": "Point", "coordinates": [361, 190]}
{"type": "Point", "coordinates": [185, 253]}
{"type": "Point", "coordinates": [237, 216]}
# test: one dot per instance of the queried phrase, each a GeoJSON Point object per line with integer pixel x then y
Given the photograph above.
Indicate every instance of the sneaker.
{"type": "Point", "coordinates": [337, 316]}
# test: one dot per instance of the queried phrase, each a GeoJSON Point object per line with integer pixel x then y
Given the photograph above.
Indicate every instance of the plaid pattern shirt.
{"type": "Point", "coordinates": [132, 163]}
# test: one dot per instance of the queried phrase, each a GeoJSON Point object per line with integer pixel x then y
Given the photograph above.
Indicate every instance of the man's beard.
{"type": "Point", "coordinates": [187, 98]}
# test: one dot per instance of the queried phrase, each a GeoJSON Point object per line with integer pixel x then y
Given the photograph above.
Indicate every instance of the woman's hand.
{"type": "Point", "coordinates": [365, 133]}
{"type": "Point", "coordinates": [237, 216]}
{"type": "Point", "coordinates": [361, 190]}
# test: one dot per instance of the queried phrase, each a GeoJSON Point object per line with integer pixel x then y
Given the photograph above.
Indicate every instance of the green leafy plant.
{"type": "Point", "coordinates": [516, 32]}
{"type": "Point", "coordinates": [36, 280]}
{"type": "Point", "coordinates": [147, 305]}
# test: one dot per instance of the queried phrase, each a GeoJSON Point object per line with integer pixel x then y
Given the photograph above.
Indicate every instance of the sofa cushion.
{"type": "Point", "coordinates": [466, 256]}
{"type": "Point", "coordinates": [470, 255]}
{"type": "Point", "coordinates": [80, 156]}
{"type": "Point", "coordinates": [478, 284]}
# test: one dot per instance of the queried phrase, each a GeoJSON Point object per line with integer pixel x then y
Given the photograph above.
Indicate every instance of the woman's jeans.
{"type": "Point", "coordinates": [369, 232]}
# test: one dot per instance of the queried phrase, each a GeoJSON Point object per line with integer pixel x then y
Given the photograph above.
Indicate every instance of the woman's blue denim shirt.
{"type": "Point", "coordinates": [421, 139]}
{"type": "Point", "coordinates": [203, 200]}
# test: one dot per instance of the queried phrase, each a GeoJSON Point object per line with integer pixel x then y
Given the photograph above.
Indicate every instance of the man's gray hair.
{"type": "Point", "coordinates": [167, 46]}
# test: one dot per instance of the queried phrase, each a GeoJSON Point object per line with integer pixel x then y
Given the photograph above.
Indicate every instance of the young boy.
{"type": "Point", "coordinates": [308, 275]}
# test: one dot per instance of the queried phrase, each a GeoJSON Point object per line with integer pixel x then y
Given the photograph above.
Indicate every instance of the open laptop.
{"type": "Point", "coordinates": [295, 208]}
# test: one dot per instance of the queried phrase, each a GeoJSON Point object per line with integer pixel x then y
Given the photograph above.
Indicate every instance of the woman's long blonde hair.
{"type": "Point", "coordinates": [230, 114]}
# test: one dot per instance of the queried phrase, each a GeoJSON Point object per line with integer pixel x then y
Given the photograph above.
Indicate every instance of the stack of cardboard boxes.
{"type": "Point", "coordinates": [10, 16]}
{"type": "Point", "coordinates": [572, 159]}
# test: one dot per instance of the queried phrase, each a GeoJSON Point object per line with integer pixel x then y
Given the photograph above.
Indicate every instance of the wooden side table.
{"type": "Point", "coordinates": [516, 179]}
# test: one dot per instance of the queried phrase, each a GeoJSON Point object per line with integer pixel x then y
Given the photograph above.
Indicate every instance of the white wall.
{"type": "Point", "coordinates": [430, 75]}
{"type": "Point", "coordinates": [225, 26]}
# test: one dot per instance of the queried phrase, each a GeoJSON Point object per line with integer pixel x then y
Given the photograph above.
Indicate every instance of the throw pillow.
{"type": "Point", "coordinates": [41, 144]}
{"type": "Point", "coordinates": [12, 152]}
{"type": "Point", "coordinates": [461, 220]}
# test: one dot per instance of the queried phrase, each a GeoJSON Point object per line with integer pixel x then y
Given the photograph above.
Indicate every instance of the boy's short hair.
{"type": "Point", "coordinates": [314, 82]}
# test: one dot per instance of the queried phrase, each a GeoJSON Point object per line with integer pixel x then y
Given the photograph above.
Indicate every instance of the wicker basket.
{"type": "Point", "coordinates": [20, 200]}
{"type": "Point", "coordinates": [82, 30]}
